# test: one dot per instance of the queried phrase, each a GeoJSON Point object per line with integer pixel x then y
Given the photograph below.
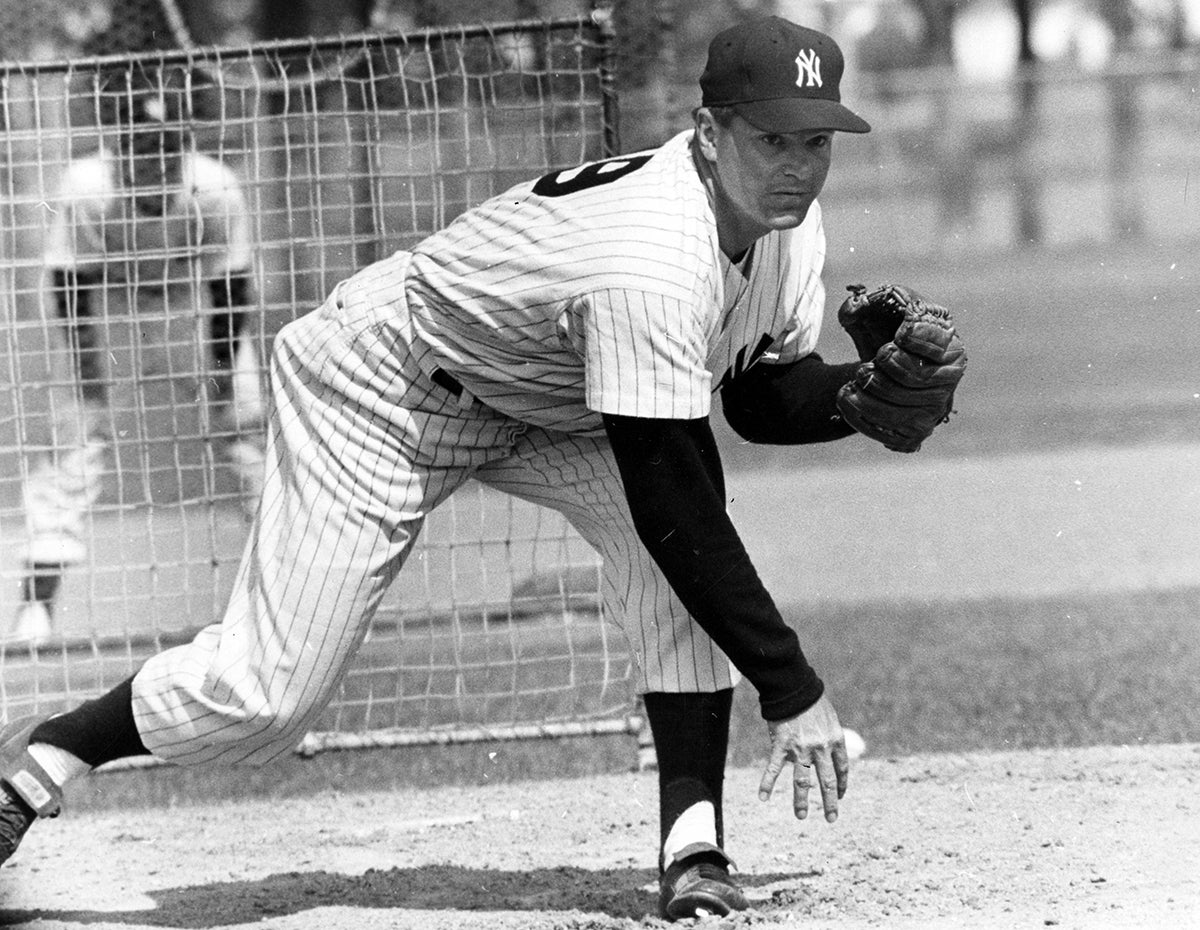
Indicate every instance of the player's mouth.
{"type": "Point", "coordinates": [788, 201]}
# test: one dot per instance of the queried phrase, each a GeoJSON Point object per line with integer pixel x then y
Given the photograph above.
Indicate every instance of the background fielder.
{"type": "Point", "coordinates": [561, 342]}
{"type": "Point", "coordinates": [142, 219]}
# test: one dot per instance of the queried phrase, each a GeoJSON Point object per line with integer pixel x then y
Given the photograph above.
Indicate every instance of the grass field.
{"type": "Point", "coordinates": [1079, 360]}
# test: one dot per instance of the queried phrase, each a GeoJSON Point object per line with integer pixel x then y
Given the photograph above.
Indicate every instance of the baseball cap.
{"type": "Point", "coordinates": [778, 76]}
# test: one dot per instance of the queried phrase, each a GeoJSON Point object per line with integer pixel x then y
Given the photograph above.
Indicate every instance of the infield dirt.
{"type": "Point", "coordinates": [1103, 837]}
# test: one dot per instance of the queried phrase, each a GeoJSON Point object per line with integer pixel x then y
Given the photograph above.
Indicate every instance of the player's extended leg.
{"type": "Point", "coordinates": [61, 490]}
{"type": "Point", "coordinates": [688, 682]}
{"type": "Point", "coordinates": [362, 446]}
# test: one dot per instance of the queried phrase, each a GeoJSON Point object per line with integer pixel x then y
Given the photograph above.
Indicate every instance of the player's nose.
{"type": "Point", "coordinates": [804, 166]}
{"type": "Point", "coordinates": [798, 170]}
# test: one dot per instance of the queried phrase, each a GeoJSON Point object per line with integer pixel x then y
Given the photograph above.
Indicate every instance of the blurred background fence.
{"type": "Point", "coordinates": [1057, 158]}
{"type": "Point", "coordinates": [997, 123]}
{"type": "Point", "coordinates": [346, 148]}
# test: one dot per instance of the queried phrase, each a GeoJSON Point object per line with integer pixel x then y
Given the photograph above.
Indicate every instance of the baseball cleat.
{"type": "Point", "coordinates": [697, 884]}
{"type": "Point", "coordinates": [15, 819]}
{"type": "Point", "coordinates": [26, 791]}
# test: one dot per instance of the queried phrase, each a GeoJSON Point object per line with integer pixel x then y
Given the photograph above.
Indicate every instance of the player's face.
{"type": "Point", "coordinates": [765, 180]}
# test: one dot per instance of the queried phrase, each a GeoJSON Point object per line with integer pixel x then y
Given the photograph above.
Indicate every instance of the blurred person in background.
{"type": "Point", "coordinates": [144, 216]}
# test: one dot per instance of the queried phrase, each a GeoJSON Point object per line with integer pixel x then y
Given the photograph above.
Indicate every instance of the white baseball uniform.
{"type": "Point", "coordinates": [489, 351]}
{"type": "Point", "coordinates": [203, 231]}
{"type": "Point", "coordinates": [96, 231]}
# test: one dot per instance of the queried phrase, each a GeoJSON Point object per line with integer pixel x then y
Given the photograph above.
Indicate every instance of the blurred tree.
{"type": "Point", "coordinates": [892, 45]}
{"type": "Point", "coordinates": [1123, 93]}
{"type": "Point", "coordinates": [646, 65]}
{"type": "Point", "coordinates": [291, 19]}
{"type": "Point", "coordinates": [939, 29]}
{"type": "Point", "coordinates": [214, 22]}
{"type": "Point", "coordinates": [1027, 197]}
{"type": "Point", "coordinates": [960, 142]}
{"type": "Point", "coordinates": [283, 19]}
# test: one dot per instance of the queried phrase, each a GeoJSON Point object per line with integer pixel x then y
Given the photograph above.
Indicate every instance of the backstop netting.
{"type": "Point", "coordinates": [339, 151]}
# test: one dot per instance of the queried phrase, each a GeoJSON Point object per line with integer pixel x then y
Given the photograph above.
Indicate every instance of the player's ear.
{"type": "Point", "coordinates": [706, 132]}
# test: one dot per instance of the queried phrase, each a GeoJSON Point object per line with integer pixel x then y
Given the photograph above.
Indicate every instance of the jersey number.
{"type": "Point", "coordinates": [591, 175]}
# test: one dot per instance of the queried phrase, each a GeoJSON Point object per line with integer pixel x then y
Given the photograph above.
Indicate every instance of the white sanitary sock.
{"type": "Point", "coordinates": [697, 824]}
{"type": "Point", "coordinates": [59, 764]}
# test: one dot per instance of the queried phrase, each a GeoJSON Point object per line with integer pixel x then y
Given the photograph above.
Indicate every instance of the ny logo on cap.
{"type": "Point", "coordinates": [808, 68]}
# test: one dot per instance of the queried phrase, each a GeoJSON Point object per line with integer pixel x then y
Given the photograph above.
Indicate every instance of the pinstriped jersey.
{"type": "Point", "coordinates": [602, 289]}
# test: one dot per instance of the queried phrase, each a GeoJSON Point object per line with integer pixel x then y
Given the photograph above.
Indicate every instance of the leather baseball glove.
{"type": "Point", "coordinates": [912, 360]}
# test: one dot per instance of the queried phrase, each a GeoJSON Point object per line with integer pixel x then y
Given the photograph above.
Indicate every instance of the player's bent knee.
{"type": "Point", "coordinates": [275, 714]}
{"type": "Point", "coordinates": [263, 727]}
{"type": "Point", "coordinates": [242, 707]}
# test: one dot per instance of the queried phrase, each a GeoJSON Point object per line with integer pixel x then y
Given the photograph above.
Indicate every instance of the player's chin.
{"type": "Point", "coordinates": [787, 211]}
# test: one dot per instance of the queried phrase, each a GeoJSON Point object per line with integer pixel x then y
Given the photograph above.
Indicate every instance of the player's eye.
{"type": "Point", "coordinates": [772, 139]}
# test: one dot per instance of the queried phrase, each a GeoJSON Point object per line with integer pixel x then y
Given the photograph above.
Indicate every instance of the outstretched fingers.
{"type": "Point", "coordinates": [831, 785]}
{"type": "Point", "coordinates": [814, 744]}
{"type": "Point", "coordinates": [772, 772]}
{"type": "Point", "coordinates": [801, 785]}
{"type": "Point", "coordinates": [841, 767]}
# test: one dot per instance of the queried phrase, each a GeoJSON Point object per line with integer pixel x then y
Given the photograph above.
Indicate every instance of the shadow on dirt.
{"type": "Point", "coordinates": [620, 893]}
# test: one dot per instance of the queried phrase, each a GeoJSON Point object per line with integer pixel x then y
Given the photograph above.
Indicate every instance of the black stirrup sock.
{"type": "Point", "coordinates": [97, 731]}
{"type": "Point", "coordinates": [691, 739]}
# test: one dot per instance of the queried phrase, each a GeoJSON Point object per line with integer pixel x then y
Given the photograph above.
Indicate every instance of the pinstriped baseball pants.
{"type": "Point", "coordinates": [362, 445]}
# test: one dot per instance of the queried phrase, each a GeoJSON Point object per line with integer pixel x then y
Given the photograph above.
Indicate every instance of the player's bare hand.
{"type": "Point", "coordinates": [813, 743]}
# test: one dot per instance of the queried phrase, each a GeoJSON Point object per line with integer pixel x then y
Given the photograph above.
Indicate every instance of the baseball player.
{"type": "Point", "coordinates": [144, 217]}
{"type": "Point", "coordinates": [561, 342]}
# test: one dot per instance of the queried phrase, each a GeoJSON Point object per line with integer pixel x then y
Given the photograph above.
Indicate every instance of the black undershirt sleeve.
{"type": "Point", "coordinates": [788, 404]}
{"type": "Point", "coordinates": [673, 480]}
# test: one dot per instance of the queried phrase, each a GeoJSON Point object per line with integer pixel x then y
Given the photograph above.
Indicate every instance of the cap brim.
{"type": "Point", "coordinates": [797, 114]}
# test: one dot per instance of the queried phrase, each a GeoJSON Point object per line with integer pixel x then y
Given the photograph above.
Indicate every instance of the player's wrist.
{"type": "Point", "coordinates": [777, 708]}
